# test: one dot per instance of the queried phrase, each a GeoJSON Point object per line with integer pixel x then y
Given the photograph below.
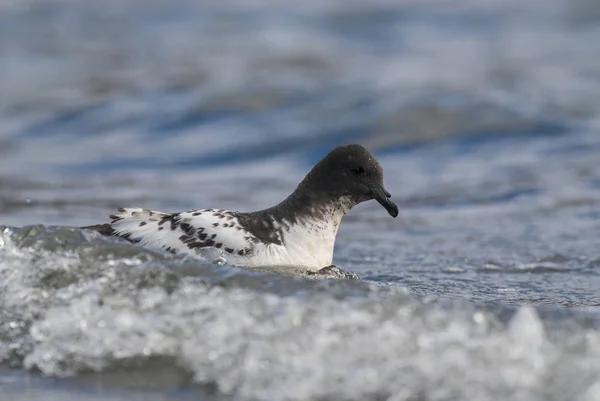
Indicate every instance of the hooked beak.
{"type": "Point", "coordinates": [383, 197]}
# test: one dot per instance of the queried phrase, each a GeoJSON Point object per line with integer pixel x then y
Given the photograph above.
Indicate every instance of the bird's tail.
{"type": "Point", "coordinates": [135, 225]}
{"type": "Point", "coordinates": [104, 229]}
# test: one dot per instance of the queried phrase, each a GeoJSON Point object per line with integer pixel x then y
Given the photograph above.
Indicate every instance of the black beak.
{"type": "Point", "coordinates": [383, 197]}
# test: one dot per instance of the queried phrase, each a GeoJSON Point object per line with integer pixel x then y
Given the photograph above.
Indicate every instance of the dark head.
{"type": "Point", "coordinates": [350, 171]}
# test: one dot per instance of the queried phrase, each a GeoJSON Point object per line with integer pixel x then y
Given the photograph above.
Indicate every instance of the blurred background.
{"type": "Point", "coordinates": [191, 103]}
{"type": "Point", "coordinates": [485, 115]}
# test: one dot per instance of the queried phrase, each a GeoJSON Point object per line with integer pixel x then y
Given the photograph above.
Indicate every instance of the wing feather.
{"type": "Point", "coordinates": [208, 232]}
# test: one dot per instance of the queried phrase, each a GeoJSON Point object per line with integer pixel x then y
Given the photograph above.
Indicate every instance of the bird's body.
{"type": "Point", "coordinates": [300, 231]}
{"type": "Point", "coordinates": [218, 234]}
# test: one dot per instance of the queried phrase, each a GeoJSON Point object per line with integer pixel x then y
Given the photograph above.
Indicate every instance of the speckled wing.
{"type": "Point", "coordinates": [208, 232]}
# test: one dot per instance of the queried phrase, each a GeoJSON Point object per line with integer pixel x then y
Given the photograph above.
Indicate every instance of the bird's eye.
{"type": "Point", "coordinates": [358, 171]}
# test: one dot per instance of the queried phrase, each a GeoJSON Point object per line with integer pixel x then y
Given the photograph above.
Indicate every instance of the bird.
{"type": "Point", "coordinates": [300, 231]}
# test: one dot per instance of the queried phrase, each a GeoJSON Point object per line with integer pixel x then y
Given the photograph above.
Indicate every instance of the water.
{"type": "Point", "coordinates": [484, 116]}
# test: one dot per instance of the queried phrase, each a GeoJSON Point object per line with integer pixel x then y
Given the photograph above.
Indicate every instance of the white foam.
{"type": "Point", "coordinates": [89, 314]}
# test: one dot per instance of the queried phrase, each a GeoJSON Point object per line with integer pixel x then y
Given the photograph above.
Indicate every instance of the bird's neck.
{"type": "Point", "coordinates": [303, 211]}
{"type": "Point", "coordinates": [314, 206]}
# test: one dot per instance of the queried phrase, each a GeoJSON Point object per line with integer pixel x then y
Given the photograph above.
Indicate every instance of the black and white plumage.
{"type": "Point", "coordinates": [300, 231]}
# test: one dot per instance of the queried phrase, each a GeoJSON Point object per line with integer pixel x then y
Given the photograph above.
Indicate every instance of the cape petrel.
{"type": "Point", "coordinates": [300, 231]}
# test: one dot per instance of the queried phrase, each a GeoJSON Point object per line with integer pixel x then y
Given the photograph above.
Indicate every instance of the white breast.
{"type": "Point", "coordinates": [308, 244]}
